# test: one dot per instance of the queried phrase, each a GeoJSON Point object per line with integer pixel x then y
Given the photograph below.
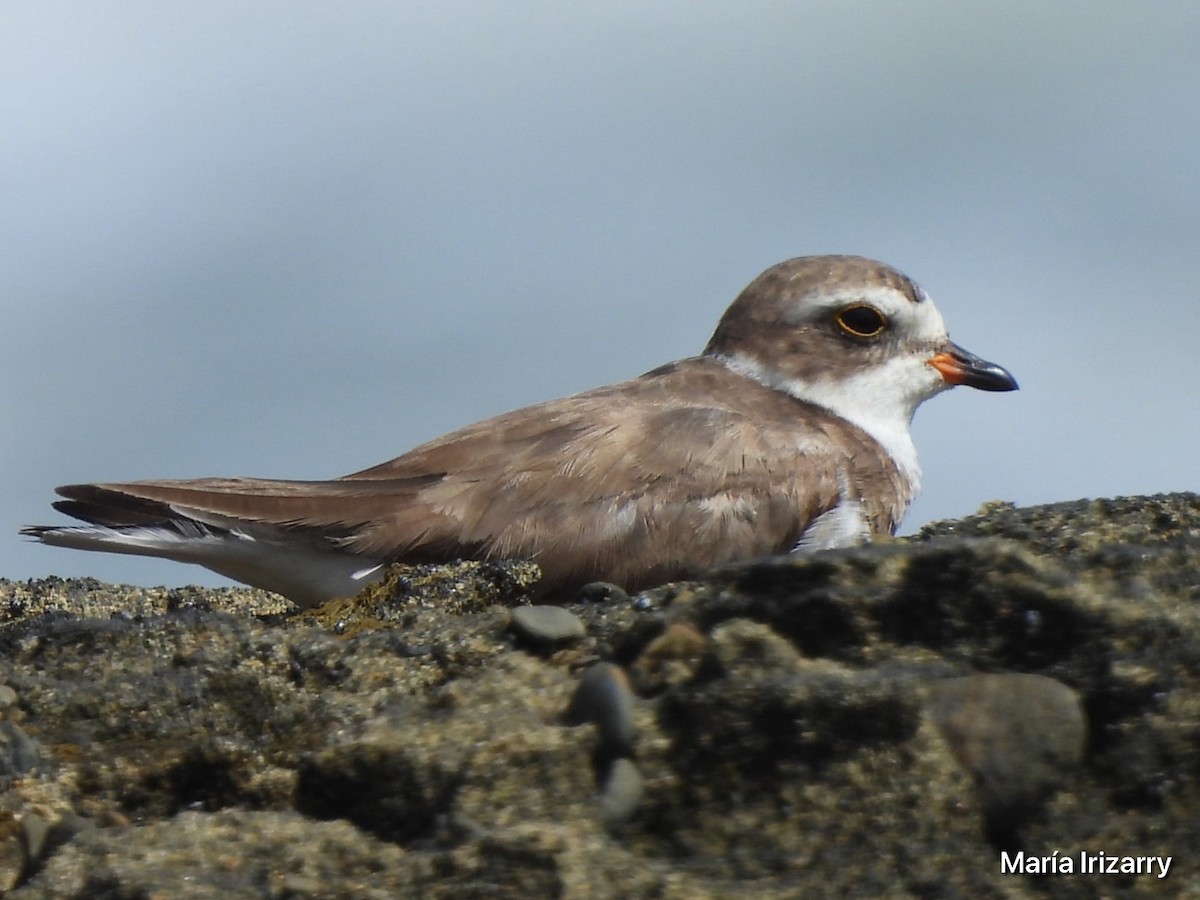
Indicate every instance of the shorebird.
{"type": "Point", "coordinates": [788, 433]}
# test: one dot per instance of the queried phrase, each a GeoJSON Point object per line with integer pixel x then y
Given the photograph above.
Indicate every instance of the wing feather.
{"type": "Point", "coordinates": [689, 466]}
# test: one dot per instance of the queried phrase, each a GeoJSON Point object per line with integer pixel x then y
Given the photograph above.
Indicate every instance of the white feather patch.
{"type": "Point", "coordinates": [843, 526]}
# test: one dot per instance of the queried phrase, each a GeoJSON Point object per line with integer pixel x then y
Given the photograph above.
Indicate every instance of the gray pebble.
{"type": "Point", "coordinates": [603, 698]}
{"type": "Point", "coordinates": [19, 753]}
{"type": "Point", "coordinates": [34, 832]}
{"type": "Point", "coordinates": [546, 624]}
{"type": "Point", "coordinates": [622, 792]}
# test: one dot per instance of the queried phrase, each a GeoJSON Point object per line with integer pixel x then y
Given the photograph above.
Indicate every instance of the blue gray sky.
{"type": "Point", "coordinates": [295, 239]}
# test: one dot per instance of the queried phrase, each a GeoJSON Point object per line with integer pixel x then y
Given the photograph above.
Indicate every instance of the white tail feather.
{"type": "Point", "coordinates": [287, 564]}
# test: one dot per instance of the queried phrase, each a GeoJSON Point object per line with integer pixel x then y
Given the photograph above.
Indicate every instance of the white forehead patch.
{"type": "Point", "coordinates": [929, 323]}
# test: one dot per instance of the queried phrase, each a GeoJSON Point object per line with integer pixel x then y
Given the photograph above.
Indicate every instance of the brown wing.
{"type": "Point", "coordinates": [704, 487]}
{"type": "Point", "coordinates": [687, 467]}
{"type": "Point", "coordinates": [637, 483]}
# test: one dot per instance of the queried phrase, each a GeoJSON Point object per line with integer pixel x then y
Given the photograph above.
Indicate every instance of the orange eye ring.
{"type": "Point", "coordinates": [861, 321]}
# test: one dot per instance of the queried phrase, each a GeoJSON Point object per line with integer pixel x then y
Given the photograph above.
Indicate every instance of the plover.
{"type": "Point", "coordinates": [789, 433]}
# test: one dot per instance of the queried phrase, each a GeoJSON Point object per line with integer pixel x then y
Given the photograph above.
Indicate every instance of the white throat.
{"type": "Point", "coordinates": [880, 400]}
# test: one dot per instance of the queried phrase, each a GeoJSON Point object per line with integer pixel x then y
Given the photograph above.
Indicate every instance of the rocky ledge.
{"type": "Point", "coordinates": [981, 710]}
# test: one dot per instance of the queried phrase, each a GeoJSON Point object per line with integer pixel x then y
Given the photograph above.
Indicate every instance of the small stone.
{"type": "Point", "coordinates": [8, 697]}
{"type": "Point", "coordinates": [1018, 734]}
{"type": "Point", "coordinates": [603, 698]}
{"type": "Point", "coordinates": [547, 624]}
{"type": "Point", "coordinates": [603, 592]}
{"type": "Point", "coordinates": [34, 832]}
{"type": "Point", "coordinates": [622, 792]}
{"type": "Point", "coordinates": [19, 753]}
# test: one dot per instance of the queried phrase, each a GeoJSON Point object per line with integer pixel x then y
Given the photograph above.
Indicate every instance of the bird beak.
{"type": "Point", "coordinates": [957, 366]}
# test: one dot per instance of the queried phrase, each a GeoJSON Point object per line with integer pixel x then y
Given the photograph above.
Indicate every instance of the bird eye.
{"type": "Point", "coordinates": [861, 321]}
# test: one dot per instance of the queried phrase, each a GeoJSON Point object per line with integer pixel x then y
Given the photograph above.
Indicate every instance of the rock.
{"type": "Point", "coordinates": [808, 726]}
{"type": "Point", "coordinates": [8, 697]}
{"type": "Point", "coordinates": [603, 592]}
{"type": "Point", "coordinates": [621, 793]}
{"type": "Point", "coordinates": [229, 854]}
{"type": "Point", "coordinates": [546, 624]}
{"type": "Point", "coordinates": [484, 748]}
{"type": "Point", "coordinates": [604, 699]}
{"type": "Point", "coordinates": [1020, 735]}
{"type": "Point", "coordinates": [19, 753]}
{"type": "Point", "coordinates": [35, 834]}
{"type": "Point", "coordinates": [670, 659]}
{"type": "Point", "coordinates": [14, 857]}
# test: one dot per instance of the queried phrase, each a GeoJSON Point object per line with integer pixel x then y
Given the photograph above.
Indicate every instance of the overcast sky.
{"type": "Point", "coordinates": [295, 239]}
